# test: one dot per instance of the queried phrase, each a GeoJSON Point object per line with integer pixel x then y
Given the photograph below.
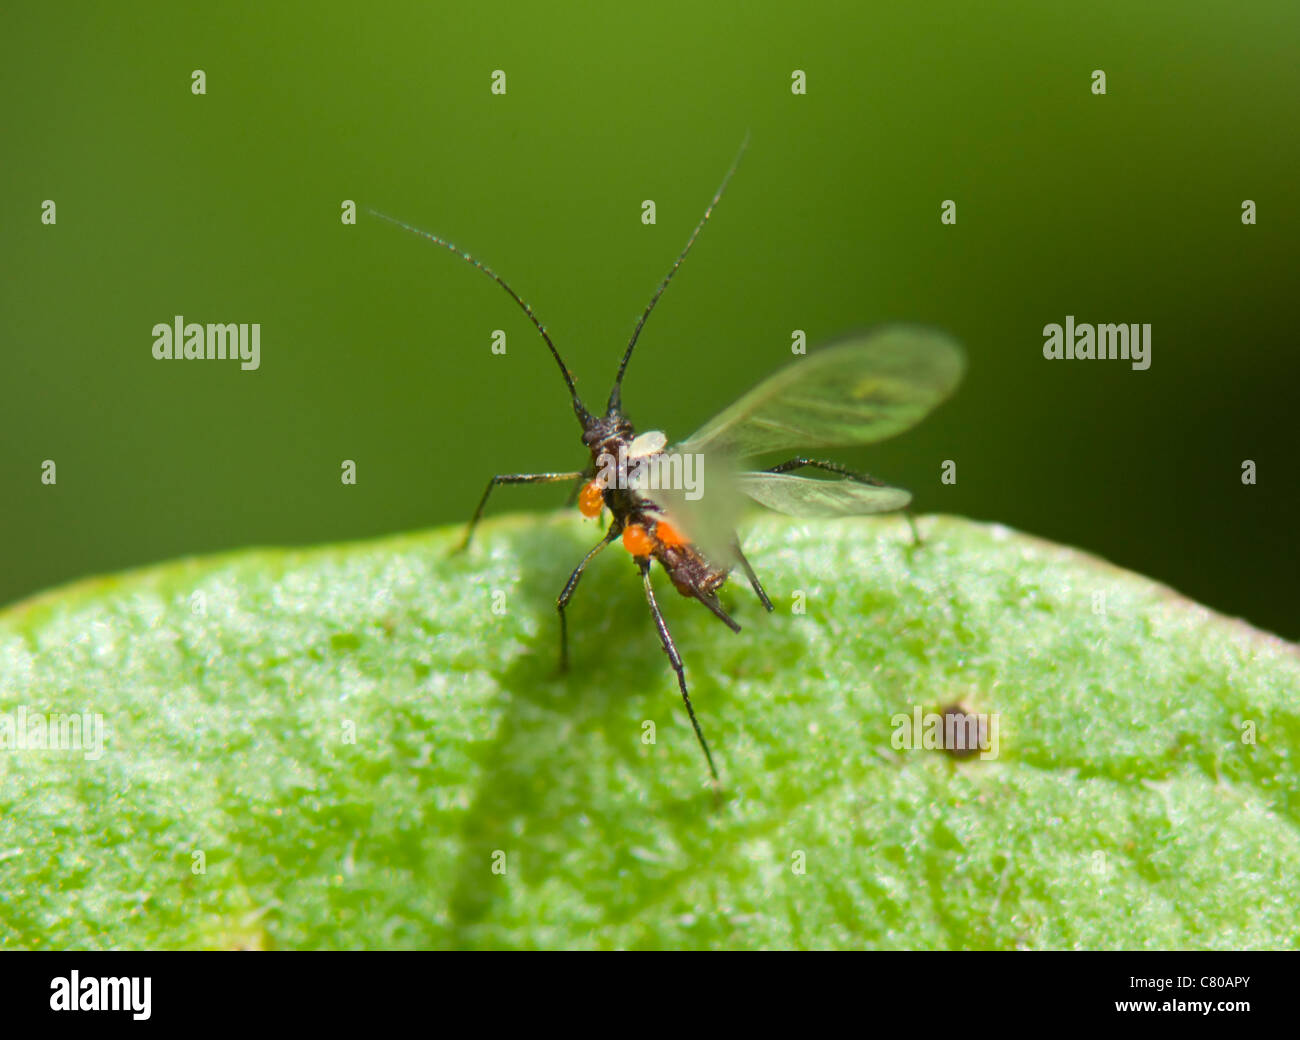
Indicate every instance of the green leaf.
{"type": "Point", "coordinates": [1144, 793]}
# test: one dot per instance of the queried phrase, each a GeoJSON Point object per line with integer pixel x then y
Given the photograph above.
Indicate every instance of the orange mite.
{"type": "Point", "coordinates": [591, 499]}
{"type": "Point", "coordinates": [669, 537]}
{"type": "Point", "coordinates": [641, 542]}
{"type": "Point", "coordinates": [637, 540]}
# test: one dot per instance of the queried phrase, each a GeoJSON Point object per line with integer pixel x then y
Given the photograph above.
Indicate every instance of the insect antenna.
{"type": "Point", "coordinates": [583, 415]}
{"type": "Point", "coordinates": [616, 395]}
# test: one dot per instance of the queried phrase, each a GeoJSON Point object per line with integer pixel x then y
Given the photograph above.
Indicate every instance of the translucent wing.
{"type": "Point", "coordinates": [708, 513]}
{"type": "Point", "coordinates": [857, 391]}
{"type": "Point", "coordinates": [809, 498]}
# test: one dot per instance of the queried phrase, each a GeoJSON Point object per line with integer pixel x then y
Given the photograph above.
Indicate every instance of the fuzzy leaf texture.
{"type": "Point", "coordinates": [349, 747]}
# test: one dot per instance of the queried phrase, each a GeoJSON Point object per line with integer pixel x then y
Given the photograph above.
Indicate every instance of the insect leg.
{"type": "Point", "coordinates": [577, 486]}
{"type": "Point", "coordinates": [710, 600]}
{"type": "Point", "coordinates": [911, 521]}
{"type": "Point", "coordinates": [843, 471]}
{"type": "Point", "coordinates": [571, 585]}
{"type": "Point", "coordinates": [510, 478]}
{"type": "Point", "coordinates": [753, 578]}
{"type": "Point", "coordinates": [675, 660]}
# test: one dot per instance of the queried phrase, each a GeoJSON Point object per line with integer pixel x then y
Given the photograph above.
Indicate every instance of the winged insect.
{"type": "Point", "coordinates": [856, 391]}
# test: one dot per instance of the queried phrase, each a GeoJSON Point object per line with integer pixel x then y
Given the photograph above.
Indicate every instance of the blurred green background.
{"type": "Point", "coordinates": [375, 345]}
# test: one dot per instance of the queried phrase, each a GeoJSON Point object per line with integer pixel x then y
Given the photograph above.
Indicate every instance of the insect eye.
{"type": "Point", "coordinates": [668, 535]}
{"type": "Point", "coordinates": [637, 541]}
{"type": "Point", "coordinates": [591, 499]}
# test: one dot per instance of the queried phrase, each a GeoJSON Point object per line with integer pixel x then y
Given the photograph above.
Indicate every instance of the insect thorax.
{"type": "Point", "coordinates": [618, 460]}
{"type": "Point", "coordinates": [604, 434]}
{"type": "Point", "coordinates": [616, 451]}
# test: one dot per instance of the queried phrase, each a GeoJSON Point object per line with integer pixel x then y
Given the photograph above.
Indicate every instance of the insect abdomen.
{"type": "Point", "coordinates": [689, 571]}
